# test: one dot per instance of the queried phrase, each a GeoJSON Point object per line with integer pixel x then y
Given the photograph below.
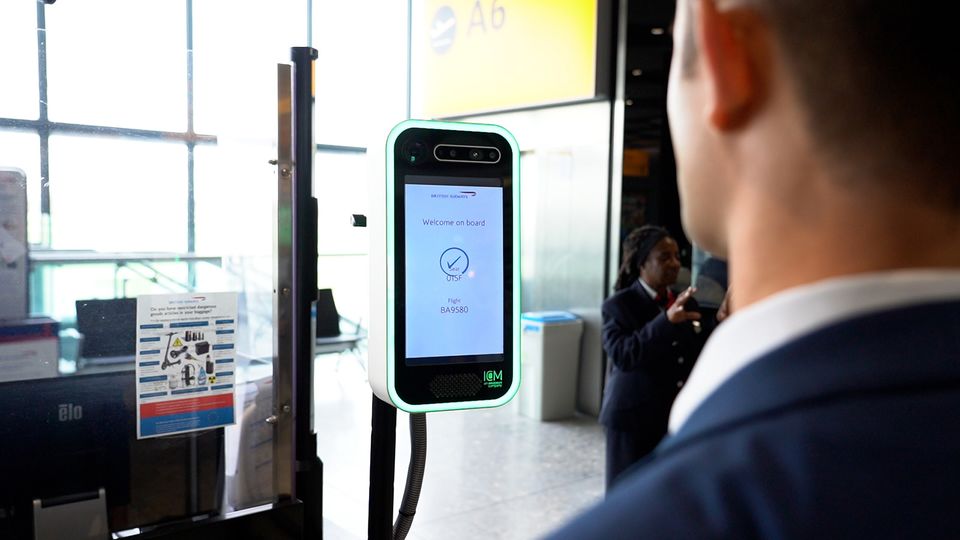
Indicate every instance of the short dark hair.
{"type": "Point", "coordinates": [880, 86]}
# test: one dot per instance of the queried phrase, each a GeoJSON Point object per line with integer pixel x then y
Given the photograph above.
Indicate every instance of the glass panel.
{"type": "Point", "coordinates": [120, 230]}
{"type": "Point", "coordinates": [234, 187]}
{"type": "Point", "coordinates": [118, 63]}
{"type": "Point", "coordinates": [341, 190]}
{"type": "Point", "coordinates": [348, 276]}
{"type": "Point", "coordinates": [709, 276]}
{"type": "Point", "coordinates": [22, 150]}
{"type": "Point", "coordinates": [230, 177]}
{"type": "Point", "coordinates": [18, 63]}
{"type": "Point", "coordinates": [234, 73]}
{"type": "Point", "coordinates": [340, 185]}
{"type": "Point", "coordinates": [64, 284]}
{"type": "Point", "coordinates": [361, 75]}
{"type": "Point", "coordinates": [117, 195]}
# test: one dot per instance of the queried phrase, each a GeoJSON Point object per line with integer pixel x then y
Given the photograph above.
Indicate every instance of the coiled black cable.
{"type": "Point", "coordinates": [418, 462]}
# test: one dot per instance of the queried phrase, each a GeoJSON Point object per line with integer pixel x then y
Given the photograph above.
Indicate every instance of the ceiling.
{"type": "Point", "coordinates": [649, 46]}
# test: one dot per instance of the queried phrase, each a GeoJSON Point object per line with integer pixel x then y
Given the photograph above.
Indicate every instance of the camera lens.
{"type": "Point", "coordinates": [453, 152]}
{"type": "Point", "coordinates": [475, 154]}
{"type": "Point", "coordinates": [415, 152]}
{"type": "Point", "coordinates": [493, 155]}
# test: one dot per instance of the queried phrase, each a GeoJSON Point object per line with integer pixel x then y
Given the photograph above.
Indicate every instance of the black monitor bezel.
{"type": "Point", "coordinates": [412, 382]}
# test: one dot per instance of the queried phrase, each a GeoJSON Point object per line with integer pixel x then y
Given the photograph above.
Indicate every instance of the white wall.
{"type": "Point", "coordinates": [564, 189]}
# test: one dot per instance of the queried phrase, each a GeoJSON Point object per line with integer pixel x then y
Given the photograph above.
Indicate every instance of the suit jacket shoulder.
{"type": "Point", "coordinates": [835, 435]}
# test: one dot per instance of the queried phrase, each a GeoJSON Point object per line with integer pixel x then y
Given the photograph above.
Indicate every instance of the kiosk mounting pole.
{"type": "Point", "coordinates": [383, 449]}
{"type": "Point", "coordinates": [308, 485]}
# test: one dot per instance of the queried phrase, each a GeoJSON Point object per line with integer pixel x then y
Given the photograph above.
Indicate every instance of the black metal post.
{"type": "Point", "coordinates": [383, 449]}
{"type": "Point", "coordinates": [309, 469]}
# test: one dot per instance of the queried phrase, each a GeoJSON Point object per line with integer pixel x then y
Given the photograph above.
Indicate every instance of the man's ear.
{"type": "Point", "coordinates": [735, 49]}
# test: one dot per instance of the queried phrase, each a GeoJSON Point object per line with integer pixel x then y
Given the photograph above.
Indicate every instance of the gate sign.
{"type": "Point", "coordinates": [473, 56]}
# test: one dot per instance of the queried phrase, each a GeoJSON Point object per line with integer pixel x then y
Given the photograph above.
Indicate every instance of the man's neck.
{"type": "Point", "coordinates": [770, 251]}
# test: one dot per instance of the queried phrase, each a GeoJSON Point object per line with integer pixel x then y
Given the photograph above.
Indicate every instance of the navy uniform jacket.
{"type": "Point", "coordinates": [649, 360]}
{"type": "Point", "coordinates": [849, 432]}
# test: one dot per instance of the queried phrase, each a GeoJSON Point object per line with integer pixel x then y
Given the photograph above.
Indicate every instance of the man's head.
{"type": "Point", "coordinates": [768, 95]}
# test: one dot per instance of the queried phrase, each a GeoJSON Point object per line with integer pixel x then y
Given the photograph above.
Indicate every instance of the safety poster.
{"type": "Point", "coordinates": [186, 362]}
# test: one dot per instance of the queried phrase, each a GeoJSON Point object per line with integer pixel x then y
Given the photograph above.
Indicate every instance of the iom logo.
{"type": "Point", "coordinates": [68, 412]}
{"type": "Point", "coordinates": [493, 378]}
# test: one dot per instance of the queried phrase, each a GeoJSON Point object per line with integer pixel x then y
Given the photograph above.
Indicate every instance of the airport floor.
{"type": "Point", "coordinates": [490, 474]}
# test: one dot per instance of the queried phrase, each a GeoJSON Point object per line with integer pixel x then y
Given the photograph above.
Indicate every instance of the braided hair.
{"type": "Point", "coordinates": [636, 248]}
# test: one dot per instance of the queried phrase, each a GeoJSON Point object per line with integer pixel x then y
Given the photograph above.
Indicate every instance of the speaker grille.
{"type": "Point", "coordinates": [456, 386]}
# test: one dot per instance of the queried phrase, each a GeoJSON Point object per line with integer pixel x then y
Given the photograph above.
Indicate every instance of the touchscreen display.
{"type": "Point", "coordinates": [454, 274]}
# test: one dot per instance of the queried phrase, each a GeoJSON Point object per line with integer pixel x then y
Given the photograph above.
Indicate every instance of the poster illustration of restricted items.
{"type": "Point", "coordinates": [186, 360]}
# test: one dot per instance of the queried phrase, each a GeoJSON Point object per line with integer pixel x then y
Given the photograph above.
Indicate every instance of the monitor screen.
{"type": "Point", "coordinates": [109, 327]}
{"type": "Point", "coordinates": [75, 434]}
{"type": "Point", "coordinates": [454, 270]}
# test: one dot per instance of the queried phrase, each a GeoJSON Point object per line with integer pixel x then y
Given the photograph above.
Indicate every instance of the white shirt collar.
{"type": "Point", "coordinates": [650, 290]}
{"type": "Point", "coordinates": [790, 314]}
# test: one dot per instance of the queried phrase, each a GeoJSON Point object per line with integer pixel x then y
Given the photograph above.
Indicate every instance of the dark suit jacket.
{"type": "Point", "coordinates": [849, 432]}
{"type": "Point", "coordinates": [649, 359]}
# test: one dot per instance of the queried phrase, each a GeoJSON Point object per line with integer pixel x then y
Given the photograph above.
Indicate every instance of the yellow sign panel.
{"type": "Point", "coordinates": [472, 56]}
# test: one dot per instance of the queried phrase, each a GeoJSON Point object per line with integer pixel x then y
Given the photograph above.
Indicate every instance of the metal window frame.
{"type": "Point", "coordinates": [285, 517]}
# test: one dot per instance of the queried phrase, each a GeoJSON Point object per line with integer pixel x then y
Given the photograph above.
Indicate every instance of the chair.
{"type": "Point", "coordinates": [330, 338]}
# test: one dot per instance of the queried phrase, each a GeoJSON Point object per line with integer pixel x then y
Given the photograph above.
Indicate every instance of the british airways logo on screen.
{"type": "Point", "coordinates": [191, 300]}
{"type": "Point", "coordinates": [460, 195]}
